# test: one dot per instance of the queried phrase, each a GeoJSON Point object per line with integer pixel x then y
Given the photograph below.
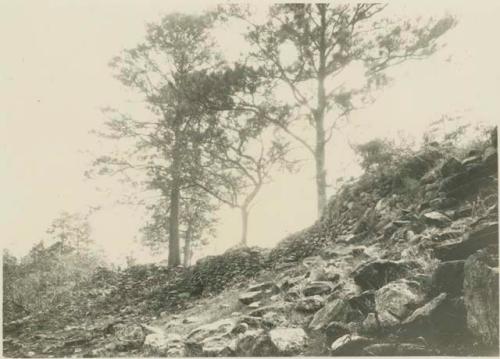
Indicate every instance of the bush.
{"type": "Point", "coordinates": [43, 280]}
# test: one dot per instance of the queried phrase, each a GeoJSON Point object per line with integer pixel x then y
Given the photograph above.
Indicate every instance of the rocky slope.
{"type": "Point", "coordinates": [391, 268]}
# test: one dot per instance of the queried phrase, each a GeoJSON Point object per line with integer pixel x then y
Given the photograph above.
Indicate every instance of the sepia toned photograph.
{"type": "Point", "coordinates": [249, 179]}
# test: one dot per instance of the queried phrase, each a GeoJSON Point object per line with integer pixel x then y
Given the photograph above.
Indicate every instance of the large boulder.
{"type": "Point", "coordinates": [481, 295]}
{"type": "Point", "coordinates": [288, 341]}
{"type": "Point", "coordinates": [335, 330]}
{"type": "Point", "coordinates": [442, 316]}
{"type": "Point", "coordinates": [337, 310]}
{"type": "Point", "coordinates": [129, 336]}
{"type": "Point", "coordinates": [247, 341]}
{"type": "Point", "coordinates": [196, 340]}
{"type": "Point", "coordinates": [448, 278]}
{"type": "Point", "coordinates": [376, 274]}
{"type": "Point", "coordinates": [219, 346]}
{"type": "Point", "coordinates": [490, 158]}
{"type": "Point", "coordinates": [480, 237]}
{"type": "Point", "coordinates": [468, 182]}
{"type": "Point", "coordinates": [398, 299]}
{"type": "Point", "coordinates": [349, 344]}
{"type": "Point", "coordinates": [364, 302]}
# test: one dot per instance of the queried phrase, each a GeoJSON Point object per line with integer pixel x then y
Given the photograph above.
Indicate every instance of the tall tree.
{"type": "Point", "coordinates": [244, 164]}
{"type": "Point", "coordinates": [189, 93]}
{"type": "Point", "coordinates": [196, 222]}
{"type": "Point", "coordinates": [306, 47]}
{"type": "Point", "coordinates": [168, 70]}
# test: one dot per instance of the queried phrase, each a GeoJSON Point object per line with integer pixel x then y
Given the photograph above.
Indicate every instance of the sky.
{"type": "Point", "coordinates": [54, 78]}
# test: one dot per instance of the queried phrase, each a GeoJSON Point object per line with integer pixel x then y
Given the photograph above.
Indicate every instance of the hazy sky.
{"type": "Point", "coordinates": [54, 78]}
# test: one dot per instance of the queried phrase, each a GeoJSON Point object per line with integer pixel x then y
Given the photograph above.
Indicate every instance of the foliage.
{"type": "Point", "coordinates": [48, 276]}
{"type": "Point", "coordinates": [306, 47]}
{"type": "Point", "coordinates": [44, 280]}
{"type": "Point", "coordinates": [376, 153]}
{"type": "Point", "coordinates": [197, 223]}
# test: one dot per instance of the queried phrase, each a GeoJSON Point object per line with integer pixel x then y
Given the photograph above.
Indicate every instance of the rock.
{"type": "Point", "coordinates": [349, 344]}
{"type": "Point", "coordinates": [220, 328]}
{"type": "Point", "coordinates": [129, 336]}
{"type": "Point", "coordinates": [288, 283]}
{"type": "Point", "coordinates": [190, 320]}
{"type": "Point", "coordinates": [278, 307]}
{"type": "Point", "coordinates": [337, 310]}
{"type": "Point", "coordinates": [480, 237]}
{"type": "Point", "coordinates": [375, 274]}
{"type": "Point", "coordinates": [288, 341]}
{"type": "Point", "coordinates": [442, 316]}
{"type": "Point", "coordinates": [163, 314]}
{"type": "Point", "coordinates": [318, 288]}
{"type": "Point", "coordinates": [400, 349]}
{"type": "Point", "coordinates": [481, 295]}
{"type": "Point", "coordinates": [447, 234]}
{"type": "Point", "coordinates": [448, 278]}
{"type": "Point", "coordinates": [253, 322]}
{"type": "Point", "coordinates": [310, 304]}
{"type": "Point", "coordinates": [472, 160]}
{"type": "Point", "coordinates": [370, 324]}
{"type": "Point", "coordinates": [443, 203]}
{"type": "Point", "coordinates": [468, 182]}
{"type": "Point", "coordinates": [262, 287]}
{"type": "Point", "coordinates": [426, 311]}
{"type": "Point", "coordinates": [490, 157]}
{"type": "Point", "coordinates": [463, 211]}
{"type": "Point", "coordinates": [247, 341]}
{"type": "Point", "coordinates": [389, 230]}
{"type": "Point", "coordinates": [254, 305]}
{"type": "Point", "coordinates": [240, 327]}
{"type": "Point", "coordinates": [313, 261]}
{"type": "Point", "coordinates": [335, 330]}
{"type": "Point", "coordinates": [220, 346]}
{"type": "Point", "coordinates": [250, 297]}
{"type": "Point", "coordinates": [436, 219]}
{"type": "Point", "coordinates": [450, 166]}
{"type": "Point", "coordinates": [273, 320]}
{"type": "Point", "coordinates": [329, 253]}
{"type": "Point", "coordinates": [398, 299]}
{"type": "Point", "coordinates": [330, 274]}
{"type": "Point", "coordinates": [164, 344]}
{"type": "Point", "coordinates": [364, 302]}
{"type": "Point", "coordinates": [156, 343]}
{"type": "Point", "coordinates": [293, 295]}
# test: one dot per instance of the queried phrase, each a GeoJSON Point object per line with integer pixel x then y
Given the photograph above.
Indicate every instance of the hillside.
{"type": "Point", "coordinates": [402, 262]}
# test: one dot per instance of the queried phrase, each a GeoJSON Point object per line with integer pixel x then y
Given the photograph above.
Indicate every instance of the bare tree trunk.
{"type": "Point", "coordinates": [174, 256]}
{"type": "Point", "coordinates": [244, 225]}
{"type": "Point", "coordinates": [319, 119]}
{"type": "Point", "coordinates": [187, 247]}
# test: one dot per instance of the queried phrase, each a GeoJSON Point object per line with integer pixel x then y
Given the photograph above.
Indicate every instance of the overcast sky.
{"type": "Point", "coordinates": [54, 78]}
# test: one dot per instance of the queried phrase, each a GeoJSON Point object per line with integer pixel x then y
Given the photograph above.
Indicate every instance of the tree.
{"type": "Point", "coordinates": [71, 231]}
{"type": "Point", "coordinates": [196, 223]}
{"type": "Point", "coordinates": [308, 46]}
{"type": "Point", "coordinates": [186, 89]}
{"type": "Point", "coordinates": [245, 165]}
